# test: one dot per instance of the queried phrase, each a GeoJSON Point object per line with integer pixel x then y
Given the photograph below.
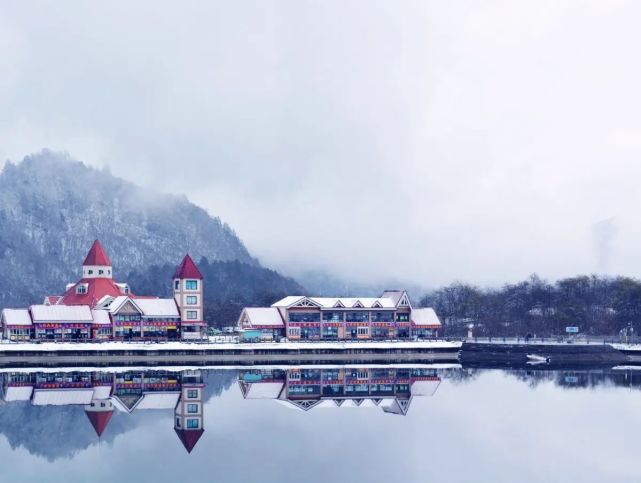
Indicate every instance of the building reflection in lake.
{"type": "Point", "coordinates": [390, 388]}
{"type": "Point", "coordinates": [102, 393]}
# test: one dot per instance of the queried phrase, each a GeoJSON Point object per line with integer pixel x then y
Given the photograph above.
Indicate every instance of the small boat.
{"type": "Point", "coordinates": [535, 359]}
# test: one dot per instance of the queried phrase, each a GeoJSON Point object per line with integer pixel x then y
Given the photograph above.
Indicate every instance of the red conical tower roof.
{"type": "Point", "coordinates": [97, 256]}
{"type": "Point", "coordinates": [189, 437]}
{"type": "Point", "coordinates": [99, 420]}
{"type": "Point", "coordinates": [188, 269]}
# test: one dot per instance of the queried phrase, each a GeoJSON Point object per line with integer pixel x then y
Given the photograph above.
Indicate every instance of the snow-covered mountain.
{"type": "Point", "coordinates": [53, 207]}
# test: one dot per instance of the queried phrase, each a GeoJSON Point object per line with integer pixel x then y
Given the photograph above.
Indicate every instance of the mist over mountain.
{"type": "Point", "coordinates": [52, 208]}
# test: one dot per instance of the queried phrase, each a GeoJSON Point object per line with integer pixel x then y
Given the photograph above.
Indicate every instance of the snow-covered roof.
{"type": "Point", "coordinates": [336, 302]}
{"type": "Point", "coordinates": [101, 392]}
{"type": "Point", "coordinates": [18, 393]}
{"type": "Point", "coordinates": [16, 317]}
{"type": "Point", "coordinates": [62, 397]}
{"type": "Point", "coordinates": [118, 302]}
{"type": "Point", "coordinates": [158, 400]}
{"type": "Point", "coordinates": [62, 313]}
{"type": "Point", "coordinates": [425, 317]}
{"type": "Point", "coordinates": [263, 390]}
{"type": "Point", "coordinates": [425, 388]}
{"type": "Point", "coordinates": [263, 316]}
{"type": "Point", "coordinates": [101, 317]}
{"type": "Point", "coordinates": [158, 307]}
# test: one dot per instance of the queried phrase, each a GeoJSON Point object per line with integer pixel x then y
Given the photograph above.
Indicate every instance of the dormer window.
{"type": "Point", "coordinates": [101, 272]}
{"type": "Point", "coordinates": [81, 289]}
{"type": "Point", "coordinates": [90, 272]}
{"type": "Point", "coordinates": [126, 290]}
{"type": "Point", "coordinates": [108, 272]}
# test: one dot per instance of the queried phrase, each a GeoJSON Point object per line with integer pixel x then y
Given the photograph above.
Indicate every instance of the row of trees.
{"type": "Point", "coordinates": [597, 305]}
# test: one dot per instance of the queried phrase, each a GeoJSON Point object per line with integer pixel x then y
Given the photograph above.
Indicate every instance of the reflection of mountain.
{"type": "Point", "coordinates": [390, 388]}
{"type": "Point", "coordinates": [55, 415]}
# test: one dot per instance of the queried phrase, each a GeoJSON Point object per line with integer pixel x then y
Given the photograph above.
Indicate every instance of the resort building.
{"type": "Point", "coordinates": [390, 316]}
{"type": "Point", "coordinates": [389, 388]}
{"type": "Point", "coordinates": [98, 308]}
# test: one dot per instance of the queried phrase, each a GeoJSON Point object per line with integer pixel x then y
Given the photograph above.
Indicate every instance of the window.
{"type": "Point", "coordinates": [90, 272]}
{"type": "Point", "coordinates": [192, 424]}
{"type": "Point", "coordinates": [358, 316]}
{"type": "Point", "coordinates": [178, 422]}
{"type": "Point", "coordinates": [382, 317]}
{"type": "Point", "coordinates": [294, 331]}
{"type": "Point", "coordinates": [192, 300]}
{"type": "Point", "coordinates": [304, 316]}
{"type": "Point", "coordinates": [192, 393]}
{"type": "Point", "coordinates": [333, 316]}
{"type": "Point", "coordinates": [192, 315]}
{"type": "Point", "coordinates": [402, 317]}
{"type": "Point", "coordinates": [81, 289]}
{"type": "Point", "coordinates": [192, 408]}
{"type": "Point", "coordinates": [101, 272]}
{"type": "Point", "coordinates": [362, 330]}
{"type": "Point", "coordinates": [191, 284]}
{"type": "Point", "coordinates": [177, 285]}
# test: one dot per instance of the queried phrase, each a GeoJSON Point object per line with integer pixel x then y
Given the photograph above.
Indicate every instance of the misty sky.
{"type": "Point", "coordinates": [426, 141]}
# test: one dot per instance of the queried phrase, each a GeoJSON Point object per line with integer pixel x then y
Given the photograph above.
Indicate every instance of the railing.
{"type": "Point", "coordinates": [560, 340]}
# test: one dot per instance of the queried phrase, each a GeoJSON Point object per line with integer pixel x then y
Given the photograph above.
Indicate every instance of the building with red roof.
{"type": "Point", "coordinates": [113, 310]}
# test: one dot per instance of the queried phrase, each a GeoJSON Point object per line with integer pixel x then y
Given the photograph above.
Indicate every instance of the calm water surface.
{"type": "Point", "coordinates": [375, 424]}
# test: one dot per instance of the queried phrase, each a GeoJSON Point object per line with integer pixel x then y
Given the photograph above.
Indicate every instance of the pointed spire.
{"type": "Point", "coordinates": [97, 256]}
{"type": "Point", "coordinates": [188, 269]}
{"type": "Point", "coordinates": [189, 437]}
{"type": "Point", "coordinates": [99, 420]}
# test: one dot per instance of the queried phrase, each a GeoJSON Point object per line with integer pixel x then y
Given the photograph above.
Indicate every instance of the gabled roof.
{"type": "Point", "coordinates": [333, 302]}
{"type": "Point", "coordinates": [61, 313]}
{"type": "Point", "coordinates": [262, 317]}
{"type": "Point", "coordinates": [188, 269]}
{"type": "Point", "coordinates": [152, 307]}
{"type": "Point", "coordinates": [16, 317]}
{"type": "Point", "coordinates": [426, 318]}
{"type": "Point", "coordinates": [99, 419]}
{"type": "Point", "coordinates": [117, 303]}
{"type": "Point", "coordinates": [393, 295]}
{"type": "Point", "coordinates": [189, 437]}
{"type": "Point", "coordinates": [97, 255]}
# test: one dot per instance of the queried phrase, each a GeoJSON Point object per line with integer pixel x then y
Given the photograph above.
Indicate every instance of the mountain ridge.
{"type": "Point", "coordinates": [52, 207]}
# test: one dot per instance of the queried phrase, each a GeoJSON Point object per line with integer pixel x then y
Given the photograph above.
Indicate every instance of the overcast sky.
{"type": "Point", "coordinates": [426, 141]}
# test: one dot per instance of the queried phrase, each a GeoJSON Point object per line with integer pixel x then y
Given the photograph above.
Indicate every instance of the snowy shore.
{"type": "Point", "coordinates": [103, 347]}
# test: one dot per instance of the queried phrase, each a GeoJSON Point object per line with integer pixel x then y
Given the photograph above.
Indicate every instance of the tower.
{"type": "Point", "coordinates": [188, 294]}
{"type": "Point", "coordinates": [97, 263]}
{"type": "Point", "coordinates": [189, 412]}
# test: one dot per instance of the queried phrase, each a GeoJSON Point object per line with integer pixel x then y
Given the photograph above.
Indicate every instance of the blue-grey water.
{"type": "Point", "coordinates": [379, 424]}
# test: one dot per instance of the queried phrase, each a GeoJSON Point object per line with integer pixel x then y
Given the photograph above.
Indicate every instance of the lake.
{"type": "Point", "coordinates": [367, 423]}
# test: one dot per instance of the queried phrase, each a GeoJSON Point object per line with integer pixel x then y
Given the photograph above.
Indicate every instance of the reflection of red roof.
{"type": "Point", "coordinates": [188, 269]}
{"type": "Point", "coordinates": [99, 420]}
{"type": "Point", "coordinates": [97, 288]}
{"type": "Point", "coordinates": [97, 255]}
{"type": "Point", "coordinates": [189, 437]}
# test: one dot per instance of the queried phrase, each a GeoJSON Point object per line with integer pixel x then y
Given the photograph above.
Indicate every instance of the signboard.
{"type": "Point", "coordinates": [572, 330]}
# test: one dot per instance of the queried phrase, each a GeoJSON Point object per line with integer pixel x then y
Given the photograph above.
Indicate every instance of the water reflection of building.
{"type": "Point", "coordinates": [390, 388]}
{"type": "Point", "coordinates": [101, 394]}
